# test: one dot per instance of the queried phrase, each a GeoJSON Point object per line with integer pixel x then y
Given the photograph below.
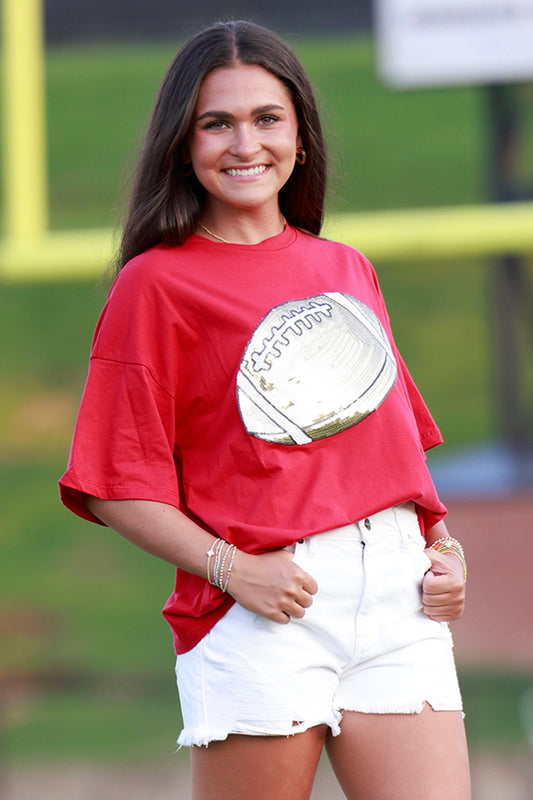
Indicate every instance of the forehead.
{"type": "Point", "coordinates": [242, 84]}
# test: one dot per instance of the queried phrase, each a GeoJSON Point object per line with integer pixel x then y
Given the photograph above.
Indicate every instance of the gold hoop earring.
{"type": "Point", "coordinates": [301, 156]}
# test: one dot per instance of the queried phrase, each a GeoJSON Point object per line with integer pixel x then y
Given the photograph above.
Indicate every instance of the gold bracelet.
{"type": "Point", "coordinates": [218, 574]}
{"type": "Point", "coordinates": [449, 545]}
{"type": "Point", "coordinates": [214, 551]}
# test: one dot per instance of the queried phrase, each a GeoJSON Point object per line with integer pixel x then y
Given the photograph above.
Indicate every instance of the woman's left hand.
{"type": "Point", "coordinates": [443, 587]}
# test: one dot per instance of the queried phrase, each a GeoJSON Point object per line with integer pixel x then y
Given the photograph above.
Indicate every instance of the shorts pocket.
{"type": "Point", "coordinates": [422, 562]}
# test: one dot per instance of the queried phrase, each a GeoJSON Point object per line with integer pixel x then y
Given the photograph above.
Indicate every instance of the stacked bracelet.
{"type": "Point", "coordinates": [219, 572]}
{"type": "Point", "coordinates": [449, 545]}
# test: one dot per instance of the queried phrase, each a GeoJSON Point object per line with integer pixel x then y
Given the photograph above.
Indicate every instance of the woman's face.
{"type": "Point", "coordinates": [244, 138]}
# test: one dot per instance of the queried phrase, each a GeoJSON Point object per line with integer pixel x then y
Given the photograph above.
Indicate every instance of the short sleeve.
{"type": "Point", "coordinates": [123, 445]}
{"type": "Point", "coordinates": [430, 435]}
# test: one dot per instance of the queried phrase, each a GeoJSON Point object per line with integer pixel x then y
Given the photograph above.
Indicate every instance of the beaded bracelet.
{"type": "Point", "coordinates": [213, 552]}
{"type": "Point", "coordinates": [449, 545]}
{"type": "Point", "coordinates": [218, 574]}
{"type": "Point", "coordinates": [230, 565]}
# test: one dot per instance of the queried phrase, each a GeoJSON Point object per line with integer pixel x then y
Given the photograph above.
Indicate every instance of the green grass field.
{"type": "Point", "coordinates": [389, 149]}
{"type": "Point", "coordinates": [78, 607]}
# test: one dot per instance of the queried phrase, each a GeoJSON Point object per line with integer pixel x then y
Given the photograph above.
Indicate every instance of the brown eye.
{"type": "Point", "coordinates": [268, 119]}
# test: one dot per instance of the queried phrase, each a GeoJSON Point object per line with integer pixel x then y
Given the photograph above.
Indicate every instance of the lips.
{"type": "Point", "coordinates": [246, 172]}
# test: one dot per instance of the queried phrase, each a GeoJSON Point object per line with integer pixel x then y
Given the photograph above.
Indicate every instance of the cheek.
{"type": "Point", "coordinates": [202, 149]}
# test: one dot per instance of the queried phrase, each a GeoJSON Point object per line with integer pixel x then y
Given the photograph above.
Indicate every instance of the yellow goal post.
{"type": "Point", "coordinates": [29, 251]}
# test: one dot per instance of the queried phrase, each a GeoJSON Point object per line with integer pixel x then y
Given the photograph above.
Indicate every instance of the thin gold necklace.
{"type": "Point", "coordinates": [220, 239]}
{"type": "Point", "coordinates": [214, 235]}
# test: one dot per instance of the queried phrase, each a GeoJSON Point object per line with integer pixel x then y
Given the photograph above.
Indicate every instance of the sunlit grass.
{"type": "Point", "coordinates": [390, 149]}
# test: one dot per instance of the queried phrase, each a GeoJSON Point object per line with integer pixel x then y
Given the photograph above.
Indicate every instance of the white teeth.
{"type": "Point", "coordinates": [238, 173]}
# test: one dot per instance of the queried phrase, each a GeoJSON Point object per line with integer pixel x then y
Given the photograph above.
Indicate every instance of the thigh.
{"type": "Point", "coordinates": [259, 767]}
{"type": "Point", "coordinates": [402, 756]}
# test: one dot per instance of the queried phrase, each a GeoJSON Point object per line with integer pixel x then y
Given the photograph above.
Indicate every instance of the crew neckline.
{"type": "Point", "coordinates": [276, 242]}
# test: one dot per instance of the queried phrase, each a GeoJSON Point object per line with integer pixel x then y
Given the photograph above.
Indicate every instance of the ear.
{"type": "Point", "coordinates": [299, 141]}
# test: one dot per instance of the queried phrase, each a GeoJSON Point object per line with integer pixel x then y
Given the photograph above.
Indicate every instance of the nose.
{"type": "Point", "coordinates": [245, 143]}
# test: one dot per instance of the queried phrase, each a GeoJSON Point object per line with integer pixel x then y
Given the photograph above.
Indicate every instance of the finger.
{"type": "Point", "coordinates": [442, 608]}
{"type": "Point", "coordinates": [447, 610]}
{"type": "Point", "coordinates": [444, 616]}
{"type": "Point", "coordinates": [443, 587]}
{"type": "Point", "coordinates": [281, 617]}
{"type": "Point", "coordinates": [297, 612]}
{"type": "Point", "coordinates": [453, 606]}
{"type": "Point", "coordinates": [432, 576]}
{"type": "Point", "coordinates": [306, 601]}
{"type": "Point", "coordinates": [443, 592]}
{"type": "Point", "coordinates": [298, 604]}
{"type": "Point", "coordinates": [310, 585]}
{"type": "Point", "coordinates": [444, 602]}
{"type": "Point", "coordinates": [441, 584]}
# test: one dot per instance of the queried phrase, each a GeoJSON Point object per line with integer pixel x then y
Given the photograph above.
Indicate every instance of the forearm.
{"type": "Point", "coordinates": [157, 528]}
{"type": "Point", "coordinates": [271, 584]}
{"type": "Point", "coordinates": [438, 531]}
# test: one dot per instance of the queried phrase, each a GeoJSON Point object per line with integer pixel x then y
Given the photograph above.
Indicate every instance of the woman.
{"type": "Point", "coordinates": [248, 418]}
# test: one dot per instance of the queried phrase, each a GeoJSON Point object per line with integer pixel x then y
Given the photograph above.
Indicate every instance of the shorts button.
{"type": "Point", "coordinates": [368, 524]}
{"type": "Point", "coordinates": [301, 541]}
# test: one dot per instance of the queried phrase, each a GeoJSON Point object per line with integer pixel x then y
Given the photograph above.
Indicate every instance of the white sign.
{"type": "Point", "coordinates": [432, 42]}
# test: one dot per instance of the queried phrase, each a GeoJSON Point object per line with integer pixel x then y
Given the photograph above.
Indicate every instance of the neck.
{"type": "Point", "coordinates": [243, 233]}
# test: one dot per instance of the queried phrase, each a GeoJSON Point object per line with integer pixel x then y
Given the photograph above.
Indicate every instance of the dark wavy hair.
{"type": "Point", "coordinates": [165, 203]}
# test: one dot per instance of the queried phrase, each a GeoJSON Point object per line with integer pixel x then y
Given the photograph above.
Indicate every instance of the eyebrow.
{"type": "Point", "coordinates": [255, 112]}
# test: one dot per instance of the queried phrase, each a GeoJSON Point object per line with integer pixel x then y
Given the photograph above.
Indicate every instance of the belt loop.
{"type": "Point", "coordinates": [311, 544]}
{"type": "Point", "coordinates": [402, 524]}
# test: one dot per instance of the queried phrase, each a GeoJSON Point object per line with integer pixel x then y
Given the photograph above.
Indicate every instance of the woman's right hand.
{"type": "Point", "coordinates": [271, 585]}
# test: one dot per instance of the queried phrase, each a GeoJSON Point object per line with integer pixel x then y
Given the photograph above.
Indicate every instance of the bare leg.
{"type": "Point", "coordinates": [258, 767]}
{"type": "Point", "coordinates": [401, 756]}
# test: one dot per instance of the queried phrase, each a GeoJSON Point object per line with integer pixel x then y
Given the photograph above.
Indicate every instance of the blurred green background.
{"type": "Point", "coordinates": [86, 658]}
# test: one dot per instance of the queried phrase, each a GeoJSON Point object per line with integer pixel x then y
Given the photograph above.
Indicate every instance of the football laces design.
{"type": "Point", "coordinates": [294, 323]}
{"type": "Point", "coordinates": [312, 368]}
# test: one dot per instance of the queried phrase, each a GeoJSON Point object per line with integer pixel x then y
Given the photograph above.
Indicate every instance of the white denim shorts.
{"type": "Point", "coordinates": [364, 645]}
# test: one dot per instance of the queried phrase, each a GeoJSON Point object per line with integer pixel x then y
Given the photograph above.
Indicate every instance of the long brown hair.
{"type": "Point", "coordinates": [166, 201]}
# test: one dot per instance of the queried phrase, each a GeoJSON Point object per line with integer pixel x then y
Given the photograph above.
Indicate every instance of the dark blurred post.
{"type": "Point", "coordinates": [513, 297]}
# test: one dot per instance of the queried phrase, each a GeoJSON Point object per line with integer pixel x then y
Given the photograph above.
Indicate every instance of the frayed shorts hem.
{"type": "Point", "coordinates": [364, 644]}
{"type": "Point", "coordinates": [408, 707]}
{"type": "Point", "coordinates": [196, 738]}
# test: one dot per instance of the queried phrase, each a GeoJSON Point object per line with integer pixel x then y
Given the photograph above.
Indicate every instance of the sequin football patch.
{"type": "Point", "coordinates": [313, 368]}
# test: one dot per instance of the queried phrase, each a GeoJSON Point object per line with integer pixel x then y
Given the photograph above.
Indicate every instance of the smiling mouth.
{"type": "Point", "coordinates": [242, 173]}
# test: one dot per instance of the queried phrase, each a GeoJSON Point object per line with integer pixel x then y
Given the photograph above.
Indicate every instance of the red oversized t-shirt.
{"type": "Point", "coordinates": [258, 389]}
